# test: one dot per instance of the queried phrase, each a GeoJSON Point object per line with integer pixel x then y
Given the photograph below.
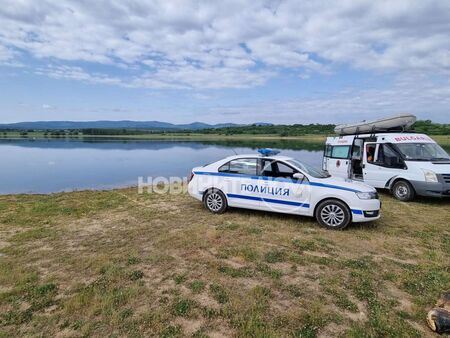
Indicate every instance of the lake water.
{"type": "Point", "coordinates": [52, 165]}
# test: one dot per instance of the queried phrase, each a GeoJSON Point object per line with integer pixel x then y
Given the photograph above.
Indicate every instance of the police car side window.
{"type": "Point", "coordinates": [276, 169]}
{"type": "Point", "coordinates": [284, 170]}
{"type": "Point", "coordinates": [245, 166]}
{"type": "Point", "coordinates": [225, 168]}
{"type": "Point", "coordinates": [267, 168]}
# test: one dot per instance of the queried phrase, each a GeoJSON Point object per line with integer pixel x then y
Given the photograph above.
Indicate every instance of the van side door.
{"type": "Point", "coordinates": [282, 192]}
{"type": "Point", "coordinates": [381, 163]}
{"type": "Point", "coordinates": [357, 159]}
{"type": "Point", "coordinates": [337, 160]}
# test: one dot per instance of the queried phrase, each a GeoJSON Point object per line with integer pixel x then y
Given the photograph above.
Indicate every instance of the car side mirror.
{"type": "Point", "coordinates": [299, 176]}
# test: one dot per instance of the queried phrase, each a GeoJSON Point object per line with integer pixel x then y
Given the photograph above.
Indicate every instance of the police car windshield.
{"type": "Point", "coordinates": [422, 152]}
{"type": "Point", "coordinates": [309, 169]}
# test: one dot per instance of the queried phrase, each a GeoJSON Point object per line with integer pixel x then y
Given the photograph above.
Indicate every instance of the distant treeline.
{"type": "Point", "coordinates": [280, 129]}
{"type": "Point", "coordinates": [112, 131]}
{"type": "Point", "coordinates": [430, 128]}
{"type": "Point", "coordinates": [423, 126]}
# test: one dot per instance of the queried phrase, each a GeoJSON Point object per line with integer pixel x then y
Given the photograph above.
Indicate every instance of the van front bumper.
{"type": "Point", "coordinates": [431, 189]}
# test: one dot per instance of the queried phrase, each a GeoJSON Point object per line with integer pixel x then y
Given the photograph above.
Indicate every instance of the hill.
{"type": "Point", "coordinates": [125, 124]}
{"type": "Point", "coordinates": [126, 127]}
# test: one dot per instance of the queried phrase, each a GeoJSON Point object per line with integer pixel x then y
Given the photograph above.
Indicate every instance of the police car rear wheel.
{"type": "Point", "coordinates": [403, 191]}
{"type": "Point", "coordinates": [215, 201]}
{"type": "Point", "coordinates": [333, 214]}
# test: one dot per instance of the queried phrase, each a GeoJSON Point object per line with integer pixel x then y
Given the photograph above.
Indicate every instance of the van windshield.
{"type": "Point", "coordinates": [309, 169]}
{"type": "Point", "coordinates": [422, 152]}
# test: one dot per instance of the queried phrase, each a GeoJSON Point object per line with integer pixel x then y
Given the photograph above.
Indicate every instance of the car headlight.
{"type": "Point", "coordinates": [430, 176]}
{"type": "Point", "coordinates": [367, 195]}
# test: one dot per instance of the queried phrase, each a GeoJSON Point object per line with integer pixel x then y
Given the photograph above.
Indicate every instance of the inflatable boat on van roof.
{"type": "Point", "coordinates": [398, 122]}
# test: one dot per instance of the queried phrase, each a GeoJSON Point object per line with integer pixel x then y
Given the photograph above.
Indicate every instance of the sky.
{"type": "Point", "coordinates": [283, 61]}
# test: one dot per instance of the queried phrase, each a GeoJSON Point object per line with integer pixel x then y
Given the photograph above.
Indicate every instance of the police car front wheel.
{"type": "Point", "coordinates": [215, 201]}
{"type": "Point", "coordinates": [333, 214]}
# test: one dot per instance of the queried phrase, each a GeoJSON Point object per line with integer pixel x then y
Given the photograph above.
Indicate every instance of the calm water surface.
{"type": "Point", "coordinates": [52, 165]}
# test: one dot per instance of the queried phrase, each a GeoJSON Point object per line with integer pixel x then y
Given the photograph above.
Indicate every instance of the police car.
{"type": "Point", "coordinates": [283, 184]}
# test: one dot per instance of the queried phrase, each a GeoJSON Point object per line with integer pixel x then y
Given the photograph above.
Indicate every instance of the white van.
{"type": "Point", "coordinates": [406, 163]}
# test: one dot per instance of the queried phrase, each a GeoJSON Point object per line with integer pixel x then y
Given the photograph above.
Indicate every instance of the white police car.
{"type": "Point", "coordinates": [283, 184]}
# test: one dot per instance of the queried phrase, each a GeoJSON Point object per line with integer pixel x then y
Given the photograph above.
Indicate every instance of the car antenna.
{"type": "Point", "coordinates": [234, 151]}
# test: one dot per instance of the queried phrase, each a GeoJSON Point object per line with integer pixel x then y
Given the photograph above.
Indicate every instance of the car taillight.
{"type": "Point", "coordinates": [191, 176]}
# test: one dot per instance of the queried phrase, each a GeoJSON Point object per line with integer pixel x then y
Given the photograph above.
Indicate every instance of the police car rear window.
{"type": "Point", "coordinates": [245, 166]}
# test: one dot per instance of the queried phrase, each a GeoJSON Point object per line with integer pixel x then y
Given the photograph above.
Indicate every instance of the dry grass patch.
{"type": "Point", "coordinates": [121, 264]}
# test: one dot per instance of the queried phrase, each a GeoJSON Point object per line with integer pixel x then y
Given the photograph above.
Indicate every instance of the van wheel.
{"type": "Point", "coordinates": [333, 214]}
{"type": "Point", "coordinates": [403, 191]}
{"type": "Point", "coordinates": [215, 201]}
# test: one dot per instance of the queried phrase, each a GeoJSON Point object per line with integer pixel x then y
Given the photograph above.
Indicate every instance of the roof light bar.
{"type": "Point", "coordinates": [268, 152]}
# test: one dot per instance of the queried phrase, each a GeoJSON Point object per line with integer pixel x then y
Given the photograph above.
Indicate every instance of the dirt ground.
{"type": "Point", "coordinates": [117, 263]}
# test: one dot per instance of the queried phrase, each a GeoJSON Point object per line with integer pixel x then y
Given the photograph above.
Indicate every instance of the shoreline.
{"type": "Point", "coordinates": [64, 192]}
{"type": "Point", "coordinates": [310, 138]}
{"type": "Point", "coordinates": [174, 137]}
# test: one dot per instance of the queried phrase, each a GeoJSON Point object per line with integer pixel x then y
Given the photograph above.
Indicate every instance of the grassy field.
{"type": "Point", "coordinates": [116, 263]}
{"type": "Point", "coordinates": [442, 139]}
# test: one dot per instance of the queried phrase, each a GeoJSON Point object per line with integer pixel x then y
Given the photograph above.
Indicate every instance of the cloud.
{"type": "Point", "coordinates": [47, 106]}
{"type": "Point", "coordinates": [7, 58]}
{"type": "Point", "coordinates": [414, 93]}
{"type": "Point", "coordinates": [202, 96]}
{"type": "Point", "coordinates": [5, 54]}
{"type": "Point", "coordinates": [77, 73]}
{"type": "Point", "coordinates": [228, 44]}
{"type": "Point", "coordinates": [206, 47]}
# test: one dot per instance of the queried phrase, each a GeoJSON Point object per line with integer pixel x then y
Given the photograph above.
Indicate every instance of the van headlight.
{"type": "Point", "coordinates": [367, 195]}
{"type": "Point", "coordinates": [430, 176]}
